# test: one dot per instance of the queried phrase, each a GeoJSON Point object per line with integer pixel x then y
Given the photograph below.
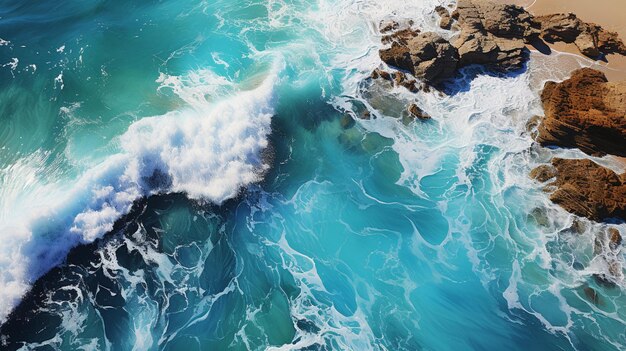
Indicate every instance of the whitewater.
{"type": "Point", "coordinates": [262, 222]}
{"type": "Point", "coordinates": [207, 151]}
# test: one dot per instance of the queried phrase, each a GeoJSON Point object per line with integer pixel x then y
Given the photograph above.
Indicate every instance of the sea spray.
{"type": "Point", "coordinates": [208, 150]}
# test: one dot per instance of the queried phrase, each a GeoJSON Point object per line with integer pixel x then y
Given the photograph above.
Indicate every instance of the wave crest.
{"type": "Point", "coordinates": [208, 150]}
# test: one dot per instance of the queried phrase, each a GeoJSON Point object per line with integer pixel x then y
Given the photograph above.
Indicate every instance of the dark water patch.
{"type": "Point", "coordinates": [81, 280]}
{"type": "Point", "coordinates": [462, 82]}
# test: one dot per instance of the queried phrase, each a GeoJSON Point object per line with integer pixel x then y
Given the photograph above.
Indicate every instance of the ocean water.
{"type": "Point", "coordinates": [176, 175]}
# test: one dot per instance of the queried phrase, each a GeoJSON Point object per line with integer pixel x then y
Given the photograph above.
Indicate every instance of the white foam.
{"type": "Point", "coordinates": [58, 81]}
{"type": "Point", "coordinates": [12, 64]}
{"type": "Point", "coordinates": [208, 150]}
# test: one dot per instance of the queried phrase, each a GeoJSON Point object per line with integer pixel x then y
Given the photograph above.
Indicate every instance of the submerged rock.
{"type": "Point", "coordinates": [587, 189]}
{"type": "Point", "coordinates": [578, 226]}
{"type": "Point", "coordinates": [586, 112]}
{"type": "Point", "coordinates": [347, 121]}
{"type": "Point", "coordinates": [540, 216]}
{"type": "Point", "coordinates": [592, 295]}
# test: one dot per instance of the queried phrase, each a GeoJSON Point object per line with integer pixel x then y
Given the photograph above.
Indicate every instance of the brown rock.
{"type": "Point", "coordinates": [455, 15]}
{"type": "Point", "coordinates": [411, 85]}
{"type": "Point", "coordinates": [446, 20]}
{"type": "Point", "coordinates": [379, 73]}
{"type": "Point", "coordinates": [493, 34]}
{"type": "Point", "coordinates": [399, 77]}
{"type": "Point", "coordinates": [543, 173]}
{"type": "Point", "coordinates": [416, 112]}
{"type": "Point", "coordinates": [375, 74]}
{"type": "Point", "coordinates": [427, 56]}
{"type": "Point", "coordinates": [397, 55]}
{"type": "Point", "coordinates": [578, 226]}
{"type": "Point", "coordinates": [586, 43]}
{"type": "Point", "coordinates": [591, 39]}
{"type": "Point", "coordinates": [609, 42]}
{"type": "Point", "coordinates": [560, 27]}
{"type": "Point", "coordinates": [611, 238]}
{"type": "Point", "coordinates": [615, 238]}
{"type": "Point", "coordinates": [500, 20]}
{"type": "Point", "coordinates": [586, 112]}
{"type": "Point", "coordinates": [588, 189]}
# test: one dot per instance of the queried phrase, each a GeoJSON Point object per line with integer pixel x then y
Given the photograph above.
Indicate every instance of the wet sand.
{"type": "Point", "coordinates": [610, 14]}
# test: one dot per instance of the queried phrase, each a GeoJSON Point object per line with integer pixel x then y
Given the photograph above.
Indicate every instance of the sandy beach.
{"type": "Point", "coordinates": [610, 14]}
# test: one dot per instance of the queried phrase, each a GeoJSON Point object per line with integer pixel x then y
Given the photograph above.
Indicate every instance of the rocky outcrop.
{"type": "Point", "coordinates": [494, 34]}
{"type": "Point", "coordinates": [585, 188]}
{"type": "Point", "coordinates": [585, 112]}
{"type": "Point", "coordinates": [490, 34]}
{"type": "Point", "coordinates": [500, 20]}
{"type": "Point", "coordinates": [427, 56]}
{"type": "Point", "coordinates": [591, 39]}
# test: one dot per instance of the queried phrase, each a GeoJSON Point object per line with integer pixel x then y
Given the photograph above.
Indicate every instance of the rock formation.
{"type": "Point", "coordinates": [427, 56]}
{"type": "Point", "coordinates": [585, 112]}
{"type": "Point", "coordinates": [493, 34]}
{"type": "Point", "coordinates": [591, 39]}
{"type": "Point", "coordinates": [490, 34]}
{"type": "Point", "coordinates": [504, 21]}
{"type": "Point", "coordinates": [585, 188]}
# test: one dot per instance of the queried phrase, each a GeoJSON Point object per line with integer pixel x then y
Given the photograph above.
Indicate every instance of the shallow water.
{"type": "Point", "coordinates": [294, 232]}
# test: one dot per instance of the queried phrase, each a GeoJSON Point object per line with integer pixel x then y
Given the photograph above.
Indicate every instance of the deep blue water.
{"type": "Point", "coordinates": [197, 156]}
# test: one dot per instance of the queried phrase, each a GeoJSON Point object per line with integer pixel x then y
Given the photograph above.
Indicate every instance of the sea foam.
{"type": "Point", "coordinates": [209, 150]}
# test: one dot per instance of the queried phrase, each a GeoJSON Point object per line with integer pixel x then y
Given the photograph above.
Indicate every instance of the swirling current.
{"type": "Point", "coordinates": [197, 175]}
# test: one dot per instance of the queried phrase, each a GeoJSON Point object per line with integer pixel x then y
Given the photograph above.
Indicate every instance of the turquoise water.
{"type": "Point", "coordinates": [268, 223]}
